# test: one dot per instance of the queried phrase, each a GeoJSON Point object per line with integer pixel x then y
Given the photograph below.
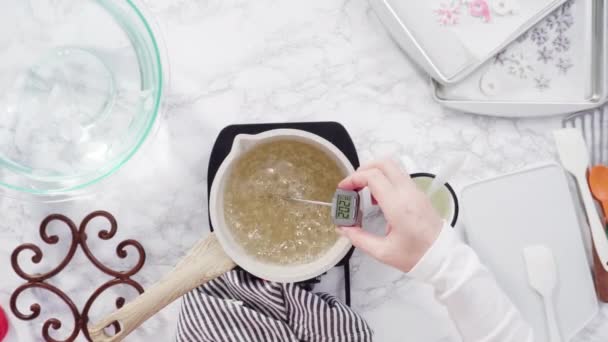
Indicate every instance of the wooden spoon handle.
{"type": "Point", "coordinates": [600, 278]}
{"type": "Point", "coordinates": [605, 210]}
{"type": "Point", "coordinates": [598, 230]}
{"type": "Point", "coordinates": [204, 262]}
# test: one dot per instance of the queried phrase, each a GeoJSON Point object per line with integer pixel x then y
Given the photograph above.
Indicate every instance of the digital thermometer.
{"type": "Point", "coordinates": [345, 207]}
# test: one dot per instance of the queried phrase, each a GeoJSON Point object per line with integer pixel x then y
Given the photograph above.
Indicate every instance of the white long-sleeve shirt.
{"type": "Point", "coordinates": [480, 309]}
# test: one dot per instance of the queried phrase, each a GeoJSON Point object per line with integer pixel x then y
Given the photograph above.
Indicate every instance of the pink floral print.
{"type": "Point", "coordinates": [448, 13]}
{"type": "Point", "coordinates": [480, 8]}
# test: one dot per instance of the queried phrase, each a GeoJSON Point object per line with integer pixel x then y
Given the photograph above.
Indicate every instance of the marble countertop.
{"type": "Point", "coordinates": [240, 61]}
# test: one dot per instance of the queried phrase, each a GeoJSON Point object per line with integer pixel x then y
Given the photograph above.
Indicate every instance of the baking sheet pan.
{"type": "Point", "coordinates": [451, 38]}
{"type": "Point", "coordinates": [557, 67]}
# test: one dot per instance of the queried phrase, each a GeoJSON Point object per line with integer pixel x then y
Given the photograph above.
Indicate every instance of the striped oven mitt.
{"type": "Point", "coordinates": [240, 307]}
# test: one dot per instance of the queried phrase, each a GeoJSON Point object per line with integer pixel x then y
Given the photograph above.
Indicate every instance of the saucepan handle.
{"type": "Point", "coordinates": [204, 262]}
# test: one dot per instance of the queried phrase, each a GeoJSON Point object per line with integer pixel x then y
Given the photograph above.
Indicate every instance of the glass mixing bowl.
{"type": "Point", "coordinates": [81, 83]}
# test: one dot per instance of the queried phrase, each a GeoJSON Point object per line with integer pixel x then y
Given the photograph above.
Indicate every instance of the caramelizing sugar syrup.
{"type": "Point", "coordinates": [265, 223]}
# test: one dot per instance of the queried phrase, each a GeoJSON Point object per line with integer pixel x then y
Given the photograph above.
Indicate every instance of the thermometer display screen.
{"type": "Point", "coordinates": [343, 207]}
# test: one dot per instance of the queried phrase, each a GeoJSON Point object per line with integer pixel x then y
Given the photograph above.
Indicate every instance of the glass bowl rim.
{"type": "Point", "coordinates": [103, 172]}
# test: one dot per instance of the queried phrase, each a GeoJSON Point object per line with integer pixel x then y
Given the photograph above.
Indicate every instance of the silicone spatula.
{"type": "Point", "coordinates": [598, 182]}
{"type": "Point", "coordinates": [445, 173]}
{"type": "Point", "coordinates": [574, 156]}
{"type": "Point", "coordinates": [542, 275]}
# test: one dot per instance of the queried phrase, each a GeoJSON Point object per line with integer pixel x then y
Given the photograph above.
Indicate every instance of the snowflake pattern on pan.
{"type": "Point", "coordinates": [561, 43]}
{"type": "Point", "coordinates": [564, 21]}
{"type": "Point", "coordinates": [563, 65]}
{"type": "Point", "coordinates": [539, 35]}
{"type": "Point", "coordinates": [542, 83]}
{"type": "Point", "coordinates": [522, 70]}
{"type": "Point", "coordinates": [516, 63]}
{"type": "Point", "coordinates": [553, 45]}
{"type": "Point", "coordinates": [501, 57]}
{"type": "Point", "coordinates": [545, 55]}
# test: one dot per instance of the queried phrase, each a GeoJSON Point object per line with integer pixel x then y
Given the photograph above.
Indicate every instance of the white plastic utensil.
{"type": "Point", "coordinates": [574, 156]}
{"type": "Point", "coordinates": [542, 275]}
{"type": "Point", "coordinates": [446, 173]}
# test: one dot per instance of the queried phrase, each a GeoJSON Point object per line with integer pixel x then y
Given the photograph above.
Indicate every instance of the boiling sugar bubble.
{"type": "Point", "coordinates": [268, 225]}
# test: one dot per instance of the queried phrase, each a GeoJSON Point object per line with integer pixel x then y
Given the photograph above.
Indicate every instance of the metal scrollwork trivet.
{"type": "Point", "coordinates": [79, 238]}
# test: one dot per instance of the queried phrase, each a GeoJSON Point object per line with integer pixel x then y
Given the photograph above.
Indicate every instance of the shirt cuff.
{"type": "Point", "coordinates": [435, 256]}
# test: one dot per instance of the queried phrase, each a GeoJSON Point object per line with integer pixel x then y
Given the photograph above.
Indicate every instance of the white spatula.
{"type": "Point", "coordinates": [574, 156]}
{"type": "Point", "coordinates": [542, 275]}
{"type": "Point", "coordinates": [445, 173]}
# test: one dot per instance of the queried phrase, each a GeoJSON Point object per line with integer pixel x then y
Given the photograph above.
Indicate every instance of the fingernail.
{"type": "Point", "coordinates": [340, 231]}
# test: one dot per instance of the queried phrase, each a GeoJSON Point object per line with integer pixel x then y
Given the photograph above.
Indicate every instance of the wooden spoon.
{"type": "Point", "coordinates": [598, 182]}
{"type": "Point", "coordinates": [205, 261]}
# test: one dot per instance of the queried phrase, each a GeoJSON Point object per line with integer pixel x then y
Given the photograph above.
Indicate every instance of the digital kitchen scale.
{"type": "Point", "coordinates": [332, 132]}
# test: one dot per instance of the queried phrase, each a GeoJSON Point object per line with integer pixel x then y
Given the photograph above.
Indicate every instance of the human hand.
{"type": "Point", "coordinates": [413, 224]}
